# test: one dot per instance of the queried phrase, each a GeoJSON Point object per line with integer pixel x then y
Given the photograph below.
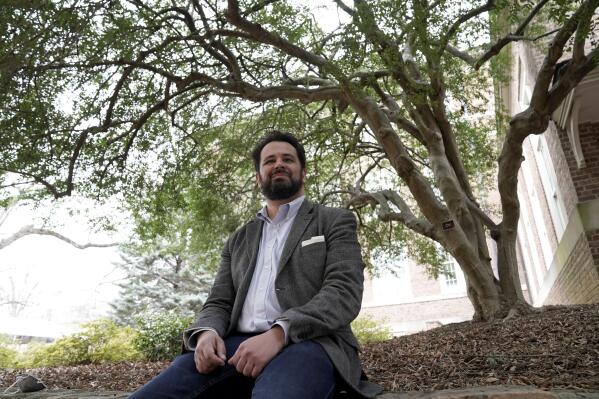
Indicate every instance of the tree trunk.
{"type": "Point", "coordinates": [496, 305]}
{"type": "Point", "coordinates": [507, 268]}
{"type": "Point", "coordinates": [473, 296]}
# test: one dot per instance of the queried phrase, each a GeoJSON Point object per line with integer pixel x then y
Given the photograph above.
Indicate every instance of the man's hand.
{"type": "Point", "coordinates": [255, 353]}
{"type": "Point", "coordinates": [210, 352]}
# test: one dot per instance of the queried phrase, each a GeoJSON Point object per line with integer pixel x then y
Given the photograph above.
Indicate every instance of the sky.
{"type": "Point", "coordinates": [65, 285]}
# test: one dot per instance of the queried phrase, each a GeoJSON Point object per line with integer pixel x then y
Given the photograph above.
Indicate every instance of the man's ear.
{"type": "Point", "coordinates": [258, 179]}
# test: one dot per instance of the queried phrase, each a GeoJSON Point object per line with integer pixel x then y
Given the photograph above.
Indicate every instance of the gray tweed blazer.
{"type": "Point", "coordinates": [319, 285]}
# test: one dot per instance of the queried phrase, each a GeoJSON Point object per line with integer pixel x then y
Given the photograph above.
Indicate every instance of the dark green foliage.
{"type": "Point", "coordinates": [159, 335]}
{"type": "Point", "coordinates": [162, 275]}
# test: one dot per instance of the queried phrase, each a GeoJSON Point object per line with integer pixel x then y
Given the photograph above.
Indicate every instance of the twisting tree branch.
{"type": "Point", "coordinates": [504, 41]}
{"type": "Point", "coordinates": [385, 213]}
{"type": "Point", "coordinates": [262, 35]}
{"type": "Point", "coordinates": [488, 6]}
{"type": "Point", "coordinates": [539, 100]}
{"type": "Point", "coordinates": [350, 11]}
{"type": "Point", "coordinates": [30, 230]}
{"type": "Point", "coordinates": [495, 48]}
{"type": "Point", "coordinates": [545, 100]}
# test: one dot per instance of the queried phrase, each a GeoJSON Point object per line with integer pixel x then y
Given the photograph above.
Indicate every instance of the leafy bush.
{"type": "Point", "coordinates": [159, 334]}
{"type": "Point", "coordinates": [109, 342]}
{"type": "Point", "coordinates": [368, 330]}
{"type": "Point", "coordinates": [100, 341]}
{"type": "Point", "coordinates": [65, 351]}
{"type": "Point", "coordinates": [8, 357]}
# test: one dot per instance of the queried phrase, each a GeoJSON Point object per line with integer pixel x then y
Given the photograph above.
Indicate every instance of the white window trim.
{"type": "Point", "coordinates": [550, 187]}
{"type": "Point", "coordinates": [537, 216]}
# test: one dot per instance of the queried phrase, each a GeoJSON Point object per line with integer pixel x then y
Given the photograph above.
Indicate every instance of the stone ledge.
{"type": "Point", "coordinates": [67, 394]}
{"type": "Point", "coordinates": [489, 392]}
{"type": "Point", "coordinates": [494, 392]}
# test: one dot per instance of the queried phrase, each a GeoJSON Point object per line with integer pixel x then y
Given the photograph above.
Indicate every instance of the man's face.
{"type": "Point", "coordinates": [281, 175]}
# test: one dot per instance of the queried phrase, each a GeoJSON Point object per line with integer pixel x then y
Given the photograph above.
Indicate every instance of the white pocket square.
{"type": "Point", "coordinates": [313, 240]}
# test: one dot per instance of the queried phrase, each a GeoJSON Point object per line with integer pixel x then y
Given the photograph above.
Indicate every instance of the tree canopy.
{"type": "Point", "coordinates": [160, 102]}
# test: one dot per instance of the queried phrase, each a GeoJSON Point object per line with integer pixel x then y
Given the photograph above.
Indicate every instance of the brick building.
{"type": "Point", "coordinates": [408, 300]}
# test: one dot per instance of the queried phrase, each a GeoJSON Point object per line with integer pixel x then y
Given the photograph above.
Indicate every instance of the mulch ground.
{"type": "Point", "coordinates": [555, 348]}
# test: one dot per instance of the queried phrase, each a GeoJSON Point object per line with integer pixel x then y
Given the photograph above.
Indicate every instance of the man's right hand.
{"type": "Point", "coordinates": [210, 352]}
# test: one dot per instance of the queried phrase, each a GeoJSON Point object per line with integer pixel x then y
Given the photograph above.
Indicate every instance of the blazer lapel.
{"type": "Point", "coordinates": [302, 219]}
{"type": "Point", "coordinates": [252, 243]}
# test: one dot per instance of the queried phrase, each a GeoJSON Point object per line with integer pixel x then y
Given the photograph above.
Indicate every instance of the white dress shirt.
{"type": "Point", "coordinates": [261, 309]}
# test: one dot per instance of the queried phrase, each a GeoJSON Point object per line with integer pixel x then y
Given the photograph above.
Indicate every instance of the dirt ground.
{"type": "Point", "coordinates": [555, 348]}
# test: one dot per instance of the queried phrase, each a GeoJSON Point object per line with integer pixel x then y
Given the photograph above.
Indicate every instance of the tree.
{"type": "Point", "coordinates": [161, 276]}
{"type": "Point", "coordinates": [17, 296]}
{"type": "Point", "coordinates": [96, 93]}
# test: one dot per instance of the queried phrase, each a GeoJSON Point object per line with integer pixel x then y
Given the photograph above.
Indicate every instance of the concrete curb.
{"type": "Point", "coordinates": [495, 392]}
{"type": "Point", "coordinates": [68, 394]}
{"type": "Point", "coordinates": [487, 392]}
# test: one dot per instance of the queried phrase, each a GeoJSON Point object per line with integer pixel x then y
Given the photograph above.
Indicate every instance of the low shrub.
{"type": "Point", "coordinates": [368, 330]}
{"type": "Point", "coordinates": [99, 341]}
{"type": "Point", "coordinates": [109, 342]}
{"type": "Point", "coordinates": [65, 351]}
{"type": "Point", "coordinates": [159, 334]}
{"type": "Point", "coordinates": [8, 357]}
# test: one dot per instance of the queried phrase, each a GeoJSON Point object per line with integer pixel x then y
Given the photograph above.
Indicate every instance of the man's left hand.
{"type": "Point", "coordinates": [255, 353]}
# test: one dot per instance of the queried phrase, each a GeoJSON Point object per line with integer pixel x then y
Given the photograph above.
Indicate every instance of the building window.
{"type": "Point", "coordinates": [537, 220]}
{"type": "Point", "coordinates": [449, 274]}
{"type": "Point", "coordinates": [524, 89]}
{"type": "Point", "coordinates": [550, 185]}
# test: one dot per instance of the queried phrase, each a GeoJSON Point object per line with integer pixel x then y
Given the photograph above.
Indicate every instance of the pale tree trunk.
{"type": "Point", "coordinates": [458, 239]}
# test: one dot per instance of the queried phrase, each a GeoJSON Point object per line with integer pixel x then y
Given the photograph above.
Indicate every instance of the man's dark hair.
{"type": "Point", "coordinates": [277, 135]}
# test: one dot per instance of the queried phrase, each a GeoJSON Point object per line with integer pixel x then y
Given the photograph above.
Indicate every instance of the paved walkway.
{"type": "Point", "coordinates": [491, 392]}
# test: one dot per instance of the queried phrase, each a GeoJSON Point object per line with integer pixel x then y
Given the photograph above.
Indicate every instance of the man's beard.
{"type": "Point", "coordinates": [280, 189]}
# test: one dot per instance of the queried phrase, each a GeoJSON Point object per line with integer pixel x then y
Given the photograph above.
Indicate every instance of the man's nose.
{"type": "Point", "coordinates": [279, 163]}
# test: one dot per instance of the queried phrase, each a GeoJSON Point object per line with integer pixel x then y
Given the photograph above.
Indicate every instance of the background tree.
{"type": "Point", "coordinates": [161, 276]}
{"type": "Point", "coordinates": [127, 96]}
{"type": "Point", "coordinates": [17, 296]}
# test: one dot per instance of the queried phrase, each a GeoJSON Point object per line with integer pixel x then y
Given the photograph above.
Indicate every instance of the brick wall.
{"type": "Point", "coordinates": [578, 281]}
{"type": "Point", "coordinates": [430, 311]}
{"type": "Point", "coordinates": [422, 284]}
{"type": "Point", "coordinates": [586, 180]}
{"type": "Point", "coordinates": [429, 305]}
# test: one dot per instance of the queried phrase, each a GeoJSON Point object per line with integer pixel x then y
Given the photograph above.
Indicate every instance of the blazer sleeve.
{"type": "Point", "coordinates": [338, 301]}
{"type": "Point", "coordinates": [216, 312]}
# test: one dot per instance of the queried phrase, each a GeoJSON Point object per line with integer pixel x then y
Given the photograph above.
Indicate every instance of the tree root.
{"type": "Point", "coordinates": [519, 309]}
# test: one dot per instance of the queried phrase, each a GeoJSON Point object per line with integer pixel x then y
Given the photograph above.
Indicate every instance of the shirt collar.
{"type": "Point", "coordinates": [286, 211]}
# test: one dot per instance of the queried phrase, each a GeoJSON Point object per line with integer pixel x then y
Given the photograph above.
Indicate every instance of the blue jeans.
{"type": "Point", "coordinates": [299, 371]}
